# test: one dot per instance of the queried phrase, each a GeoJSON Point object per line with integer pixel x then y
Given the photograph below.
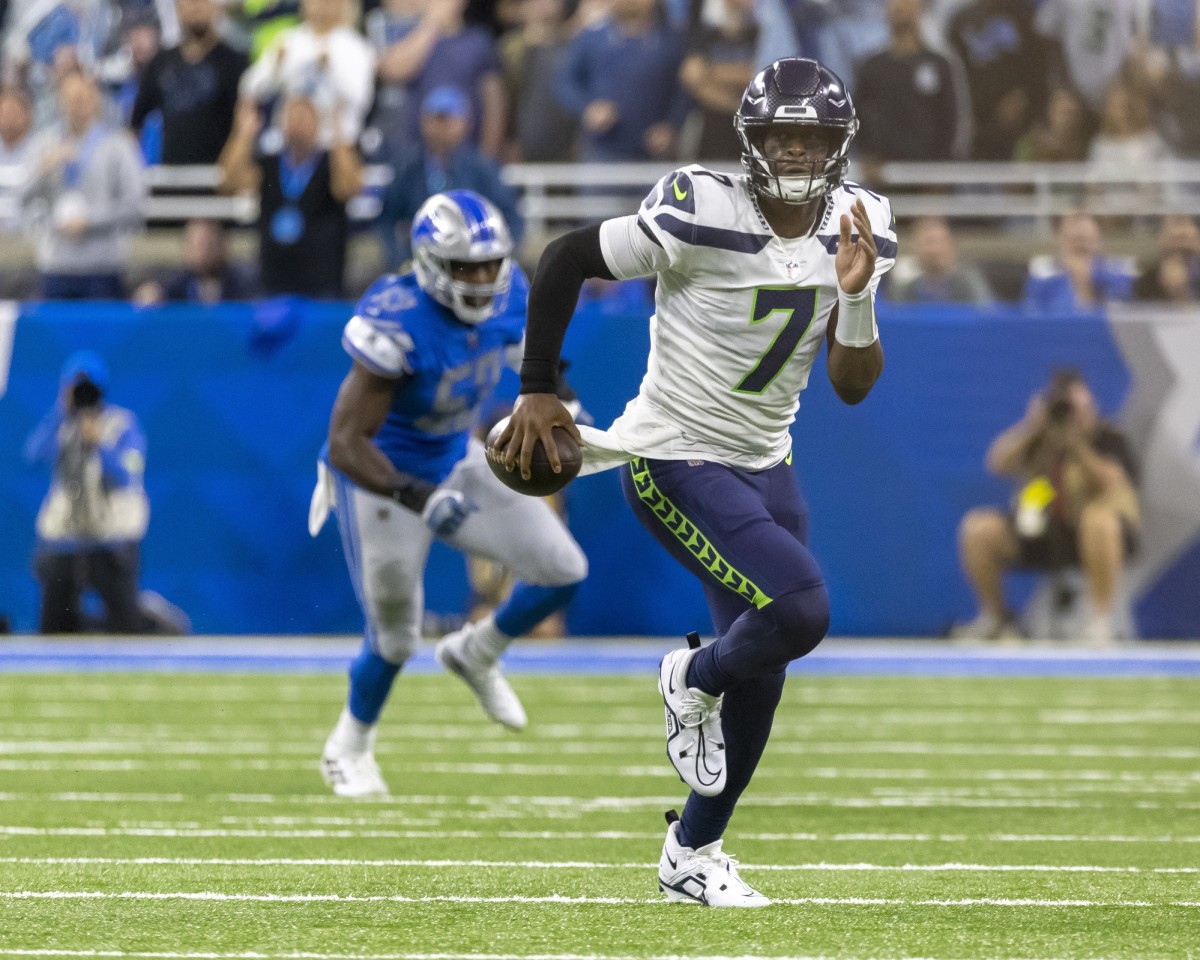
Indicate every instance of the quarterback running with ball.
{"type": "Point", "coordinates": [754, 273]}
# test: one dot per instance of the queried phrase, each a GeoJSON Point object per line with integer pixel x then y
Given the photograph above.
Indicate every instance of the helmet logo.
{"type": "Point", "coordinates": [837, 103]}
{"type": "Point", "coordinates": [796, 111]}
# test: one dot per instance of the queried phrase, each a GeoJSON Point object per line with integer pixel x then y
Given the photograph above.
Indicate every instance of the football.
{"type": "Point", "coordinates": [542, 481]}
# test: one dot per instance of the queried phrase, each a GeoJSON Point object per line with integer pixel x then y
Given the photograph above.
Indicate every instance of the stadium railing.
{"type": "Point", "coordinates": [557, 195]}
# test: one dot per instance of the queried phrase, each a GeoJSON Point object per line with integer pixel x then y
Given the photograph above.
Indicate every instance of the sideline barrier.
{"type": "Point", "coordinates": [235, 402]}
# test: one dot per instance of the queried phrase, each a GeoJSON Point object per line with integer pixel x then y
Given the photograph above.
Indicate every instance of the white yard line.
{"type": "Point", "coordinates": [587, 865]}
{"type": "Point", "coordinates": [217, 896]}
{"type": "Point", "coordinates": [208, 832]}
{"type": "Point", "coordinates": [305, 955]}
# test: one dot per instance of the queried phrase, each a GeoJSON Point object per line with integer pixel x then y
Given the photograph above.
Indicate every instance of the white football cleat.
{"type": "Point", "coordinates": [706, 875]}
{"type": "Point", "coordinates": [487, 682]}
{"type": "Point", "coordinates": [352, 774]}
{"type": "Point", "coordinates": [695, 743]}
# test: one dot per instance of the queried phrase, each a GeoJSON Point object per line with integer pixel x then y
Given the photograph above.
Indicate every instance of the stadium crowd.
{"type": "Point", "coordinates": [292, 97]}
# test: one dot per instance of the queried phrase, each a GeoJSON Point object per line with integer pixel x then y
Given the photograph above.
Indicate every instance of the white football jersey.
{"type": "Point", "coordinates": [739, 317]}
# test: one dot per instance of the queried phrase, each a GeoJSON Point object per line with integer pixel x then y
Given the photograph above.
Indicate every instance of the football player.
{"type": "Point", "coordinates": [401, 468]}
{"type": "Point", "coordinates": [754, 272]}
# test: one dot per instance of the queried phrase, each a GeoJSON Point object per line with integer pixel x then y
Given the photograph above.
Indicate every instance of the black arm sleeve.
{"type": "Point", "coordinates": [565, 265]}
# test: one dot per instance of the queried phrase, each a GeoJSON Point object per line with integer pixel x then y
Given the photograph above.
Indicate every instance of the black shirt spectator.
{"type": "Point", "coordinates": [718, 66]}
{"type": "Point", "coordinates": [1006, 72]}
{"type": "Point", "coordinates": [310, 260]}
{"type": "Point", "coordinates": [302, 194]}
{"type": "Point", "coordinates": [906, 95]}
{"type": "Point", "coordinates": [195, 87]}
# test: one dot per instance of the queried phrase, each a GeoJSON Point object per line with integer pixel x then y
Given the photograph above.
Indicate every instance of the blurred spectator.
{"type": "Point", "coordinates": [621, 79]}
{"type": "Point", "coordinates": [777, 35]}
{"type": "Point", "coordinates": [1079, 277]}
{"type": "Point", "coordinates": [456, 55]}
{"type": "Point", "coordinates": [910, 102]}
{"type": "Point", "coordinates": [1174, 275]}
{"type": "Point", "coordinates": [207, 276]}
{"type": "Point", "coordinates": [1005, 70]}
{"type": "Point", "coordinates": [83, 191]}
{"type": "Point", "coordinates": [93, 519]}
{"type": "Point", "coordinates": [302, 194]}
{"type": "Point", "coordinates": [402, 32]}
{"type": "Point", "coordinates": [720, 63]}
{"type": "Point", "coordinates": [16, 120]}
{"type": "Point", "coordinates": [194, 85]}
{"type": "Point", "coordinates": [541, 130]}
{"type": "Point", "coordinates": [934, 274]}
{"type": "Point", "coordinates": [44, 41]}
{"type": "Point", "coordinates": [840, 33]}
{"type": "Point", "coordinates": [1090, 42]}
{"type": "Point", "coordinates": [120, 74]}
{"type": "Point", "coordinates": [445, 160]}
{"type": "Point", "coordinates": [323, 60]}
{"type": "Point", "coordinates": [264, 20]}
{"type": "Point", "coordinates": [1172, 72]}
{"type": "Point", "coordinates": [1076, 506]}
{"type": "Point", "coordinates": [1127, 137]}
{"type": "Point", "coordinates": [1061, 136]}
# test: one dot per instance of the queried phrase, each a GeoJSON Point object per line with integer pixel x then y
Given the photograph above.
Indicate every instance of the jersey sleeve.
{"type": "Point", "coordinates": [883, 223]}
{"type": "Point", "coordinates": [630, 249]}
{"type": "Point", "coordinates": [376, 336]}
{"type": "Point", "coordinates": [668, 224]}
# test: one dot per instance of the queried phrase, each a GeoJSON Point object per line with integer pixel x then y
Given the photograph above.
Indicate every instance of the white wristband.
{"type": "Point", "coordinates": [856, 319]}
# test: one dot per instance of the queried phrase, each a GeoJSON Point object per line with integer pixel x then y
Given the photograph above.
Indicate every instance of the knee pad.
{"type": "Point", "coordinates": [395, 646]}
{"type": "Point", "coordinates": [564, 567]}
{"type": "Point", "coordinates": [802, 617]}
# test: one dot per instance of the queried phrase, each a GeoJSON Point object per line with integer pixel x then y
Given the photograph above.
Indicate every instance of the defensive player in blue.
{"type": "Point", "coordinates": [401, 468]}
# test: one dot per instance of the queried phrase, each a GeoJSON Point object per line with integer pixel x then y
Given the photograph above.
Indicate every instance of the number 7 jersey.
{"type": "Point", "coordinates": [739, 317]}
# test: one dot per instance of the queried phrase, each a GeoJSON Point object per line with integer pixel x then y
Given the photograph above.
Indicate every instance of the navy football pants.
{"type": "Point", "coordinates": [743, 535]}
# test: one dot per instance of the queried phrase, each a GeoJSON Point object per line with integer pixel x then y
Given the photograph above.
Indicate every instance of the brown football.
{"type": "Point", "coordinates": [542, 481]}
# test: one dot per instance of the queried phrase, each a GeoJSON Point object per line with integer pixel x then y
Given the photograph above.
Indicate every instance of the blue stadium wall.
{"type": "Point", "coordinates": [235, 402]}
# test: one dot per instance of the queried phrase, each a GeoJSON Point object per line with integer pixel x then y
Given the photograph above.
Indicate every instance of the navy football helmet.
{"type": "Point", "coordinates": [461, 226]}
{"type": "Point", "coordinates": [795, 91]}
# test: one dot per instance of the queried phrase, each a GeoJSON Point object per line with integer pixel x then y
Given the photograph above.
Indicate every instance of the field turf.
{"type": "Point", "coordinates": [157, 815]}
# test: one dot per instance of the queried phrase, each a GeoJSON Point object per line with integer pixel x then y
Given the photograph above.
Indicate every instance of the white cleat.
{"type": "Point", "coordinates": [487, 682]}
{"type": "Point", "coordinates": [695, 743]}
{"type": "Point", "coordinates": [705, 875]}
{"type": "Point", "coordinates": [353, 774]}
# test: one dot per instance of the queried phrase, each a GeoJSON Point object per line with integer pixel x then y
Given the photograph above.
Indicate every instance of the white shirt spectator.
{"type": "Point", "coordinates": [335, 69]}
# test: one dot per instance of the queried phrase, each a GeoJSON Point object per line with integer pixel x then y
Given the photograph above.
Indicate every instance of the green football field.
{"type": "Point", "coordinates": [155, 815]}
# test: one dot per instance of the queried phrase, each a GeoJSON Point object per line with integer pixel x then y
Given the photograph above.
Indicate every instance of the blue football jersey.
{"type": "Point", "coordinates": [445, 369]}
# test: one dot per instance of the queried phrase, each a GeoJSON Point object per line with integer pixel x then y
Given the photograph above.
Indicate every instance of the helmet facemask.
{"type": "Point", "coordinates": [471, 302]}
{"type": "Point", "coordinates": [815, 178]}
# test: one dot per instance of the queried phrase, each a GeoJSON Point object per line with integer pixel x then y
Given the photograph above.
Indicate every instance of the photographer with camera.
{"type": "Point", "coordinates": [1077, 506]}
{"type": "Point", "coordinates": [94, 517]}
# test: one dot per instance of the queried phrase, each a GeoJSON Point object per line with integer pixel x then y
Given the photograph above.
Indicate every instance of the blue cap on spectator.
{"type": "Point", "coordinates": [86, 364]}
{"type": "Point", "coordinates": [446, 100]}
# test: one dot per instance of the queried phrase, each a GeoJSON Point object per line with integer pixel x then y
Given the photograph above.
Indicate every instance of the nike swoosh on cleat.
{"type": "Point", "coordinates": [678, 195]}
{"type": "Point", "coordinates": [673, 864]}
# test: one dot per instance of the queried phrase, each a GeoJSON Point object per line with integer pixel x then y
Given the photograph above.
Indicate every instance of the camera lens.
{"type": "Point", "coordinates": [85, 394]}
